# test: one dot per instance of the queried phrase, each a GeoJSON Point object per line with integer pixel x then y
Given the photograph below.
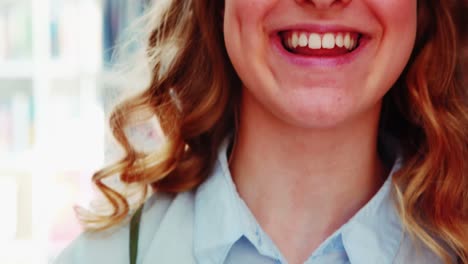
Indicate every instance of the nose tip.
{"type": "Point", "coordinates": [323, 4]}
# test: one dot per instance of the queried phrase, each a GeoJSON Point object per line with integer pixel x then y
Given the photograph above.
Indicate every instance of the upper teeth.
{"type": "Point", "coordinates": [323, 40]}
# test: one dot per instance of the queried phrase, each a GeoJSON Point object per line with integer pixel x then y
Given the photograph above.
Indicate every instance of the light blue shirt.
{"type": "Point", "coordinates": [212, 225]}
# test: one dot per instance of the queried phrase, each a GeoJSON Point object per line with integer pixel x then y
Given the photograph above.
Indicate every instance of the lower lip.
{"type": "Point", "coordinates": [324, 61]}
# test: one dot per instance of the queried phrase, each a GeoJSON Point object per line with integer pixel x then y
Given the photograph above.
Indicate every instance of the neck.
{"type": "Point", "coordinates": [305, 181]}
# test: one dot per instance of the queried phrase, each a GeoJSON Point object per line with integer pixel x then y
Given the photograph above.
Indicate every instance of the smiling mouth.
{"type": "Point", "coordinates": [320, 44]}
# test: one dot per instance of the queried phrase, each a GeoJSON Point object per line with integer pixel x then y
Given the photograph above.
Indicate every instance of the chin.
{"type": "Point", "coordinates": [318, 106]}
{"type": "Point", "coordinates": [325, 117]}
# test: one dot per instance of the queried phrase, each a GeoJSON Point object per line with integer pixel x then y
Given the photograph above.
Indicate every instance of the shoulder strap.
{"type": "Point", "coordinates": [134, 233]}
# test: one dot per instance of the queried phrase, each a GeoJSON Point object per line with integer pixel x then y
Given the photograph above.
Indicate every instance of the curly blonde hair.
{"type": "Point", "coordinates": [194, 92]}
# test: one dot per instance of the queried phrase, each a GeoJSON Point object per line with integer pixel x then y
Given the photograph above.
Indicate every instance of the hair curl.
{"type": "Point", "coordinates": [194, 92]}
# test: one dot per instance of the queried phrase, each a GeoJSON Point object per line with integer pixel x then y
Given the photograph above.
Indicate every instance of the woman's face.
{"type": "Point", "coordinates": [322, 63]}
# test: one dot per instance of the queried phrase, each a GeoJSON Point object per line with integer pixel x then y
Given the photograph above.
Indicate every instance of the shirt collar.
{"type": "Point", "coordinates": [217, 223]}
{"type": "Point", "coordinates": [373, 235]}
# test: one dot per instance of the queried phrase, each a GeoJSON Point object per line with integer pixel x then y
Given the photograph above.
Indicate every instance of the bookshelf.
{"type": "Point", "coordinates": [16, 89]}
{"type": "Point", "coordinates": [54, 95]}
{"type": "Point", "coordinates": [52, 134]}
{"type": "Point", "coordinates": [16, 69]}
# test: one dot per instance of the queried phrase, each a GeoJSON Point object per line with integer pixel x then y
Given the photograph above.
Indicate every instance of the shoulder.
{"type": "Point", "coordinates": [97, 247]}
{"type": "Point", "coordinates": [414, 251]}
{"type": "Point", "coordinates": [162, 218]}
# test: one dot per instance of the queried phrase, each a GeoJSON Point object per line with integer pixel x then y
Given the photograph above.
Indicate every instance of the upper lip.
{"type": "Point", "coordinates": [318, 28]}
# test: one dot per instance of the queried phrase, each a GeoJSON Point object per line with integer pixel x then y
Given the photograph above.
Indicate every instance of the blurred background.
{"type": "Point", "coordinates": [55, 90]}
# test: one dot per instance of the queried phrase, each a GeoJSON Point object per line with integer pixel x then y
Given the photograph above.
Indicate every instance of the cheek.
{"type": "Point", "coordinates": [396, 15]}
{"type": "Point", "coordinates": [245, 12]}
{"type": "Point", "coordinates": [398, 20]}
{"type": "Point", "coordinates": [244, 34]}
{"type": "Point", "coordinates": [239, 20]}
